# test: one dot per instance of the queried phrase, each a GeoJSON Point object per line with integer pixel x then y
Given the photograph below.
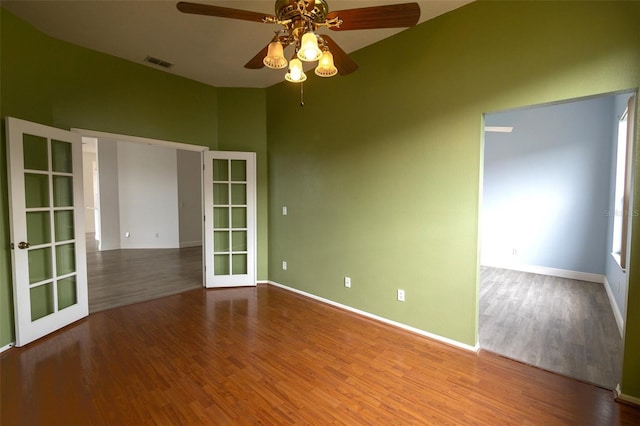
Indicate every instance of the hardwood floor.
{"type": "Point", "coordinates": [268, 356]}
{"type": "Point", "coordinates": [558, 324]}
{"type": "Point", "coordinates": [122, 277]}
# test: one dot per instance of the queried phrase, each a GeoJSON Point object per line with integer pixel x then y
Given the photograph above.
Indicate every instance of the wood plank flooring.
{"type": "Point", "coordinates": [558, 324]}
{"type": "Point", "coordinates": [122, 277]}
{"type": "Point", "coordinates": [268, 356]}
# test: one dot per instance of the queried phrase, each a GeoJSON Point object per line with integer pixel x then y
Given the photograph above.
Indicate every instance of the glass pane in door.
{"type": "Point", "coordinates": [238, 170]}
{"type": "Point", "coordinates": [221, 264]}
{"type": "Point", "coordinates": [65, 259]}
{"type": "Point", "coordinates": [38, 228]}
{"type": "Point", "coordinates": [67, 293]}
{"type": "Point", "coordinates": [62, 191]}
{"type": "Point", "coordinates": [221, 241]}
{"type": "Point", "coordinates": [239, 264]}
{"type": "Point", "coordinates": [35, 152]}
{"type": "Point", "coordinates": [41, 301]}
{"type": "Point", "coordinates": [220, 170]}
{"type": "Point", "coordinates": [239, 241]}
{"type": "Point", "coordinates": [239, 217]}
{"type": "Point", "coordinates": [221, 217]}
{"type": "Point", "coordinates": [63, 222]}
{"type": "Point", "coordinates": [61, 157]}
{"type": "Point", "coordinates": [238, 194]}
{"type": "Point", "coordinates": [40, 265]}
{"type": "Point", "coordinates": [36, 190]}
{"type": "Point", "coordinates": [229, 238]}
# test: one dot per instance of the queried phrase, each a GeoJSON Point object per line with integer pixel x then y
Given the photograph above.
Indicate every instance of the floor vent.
{"type": "Point", "coordinates": [159, 62]}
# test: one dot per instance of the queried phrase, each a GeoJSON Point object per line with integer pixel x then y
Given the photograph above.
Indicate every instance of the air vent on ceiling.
{"type": "Point", "coordinates": [158, 62]}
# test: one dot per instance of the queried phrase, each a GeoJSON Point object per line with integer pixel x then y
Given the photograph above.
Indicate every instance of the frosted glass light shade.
{"type": "Point", "coordinates": [275, 56]}
{"type": "Point", "coordinates": [326, 67]}
{"type": "Point", "coordinates": [309, 50]}
{"type": "Point", "coordinates": [296, 73]}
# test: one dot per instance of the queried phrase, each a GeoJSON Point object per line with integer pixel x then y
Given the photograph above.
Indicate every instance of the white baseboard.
{"type": "Point", "coordinates": [626, 398]}
{"type": "Point", "coordinates": [614, 307]}
{"type": "Point", "coordinates": [543, 270]}
{"type": "Point", "coordinates": [185, 244]}
{"type": "Point", "coordinates": [5, 347]}
{"type": "Point", "coordinates": [442, 339]}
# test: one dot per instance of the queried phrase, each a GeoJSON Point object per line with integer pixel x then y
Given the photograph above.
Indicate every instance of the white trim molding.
{"type": "Point", "coordinates": [543, 270]}
{"type": "Point", "coordinates": [626, 398]}
{"type": "Point", "coordinates": [614, 307]}
{"type": "Point", "coordinates": [137, 139]}
{"type": "Point", "coordinates": [185, 244]}
{"type": "Point", "coordinates": [406, 327]}
{"type": "Point", "coordinates": [7, 347]}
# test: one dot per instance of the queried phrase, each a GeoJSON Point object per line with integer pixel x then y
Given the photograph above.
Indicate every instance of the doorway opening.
{"type": "Point", "coordinates": [551, 291]}
{"type": "Point", "coordinates": [143, 214]}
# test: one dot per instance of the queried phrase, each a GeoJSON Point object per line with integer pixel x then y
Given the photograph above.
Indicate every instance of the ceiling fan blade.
{"type": "Point", "coordinates": [367, 18]}
{"type": "Point", "coordinates": [256, 63]}
{"type": "Point", "coordinates": [341, 60]}
{"type": "Point", "coordinates": [222, 12]}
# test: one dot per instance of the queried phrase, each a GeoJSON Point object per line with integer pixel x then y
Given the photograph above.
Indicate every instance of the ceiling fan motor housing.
{"type": "Point", "coordinates": [289, 9]}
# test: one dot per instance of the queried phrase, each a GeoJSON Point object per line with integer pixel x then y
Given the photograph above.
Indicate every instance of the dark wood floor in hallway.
{"type": "Point", "coordinates": [268, 356]}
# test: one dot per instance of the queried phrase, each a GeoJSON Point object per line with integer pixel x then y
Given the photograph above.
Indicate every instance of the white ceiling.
{"type": "Point", "coordinates": [203, 48]}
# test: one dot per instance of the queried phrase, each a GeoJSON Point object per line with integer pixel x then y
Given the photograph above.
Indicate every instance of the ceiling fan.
{"type": "Point", "coordinates": [300, 20]}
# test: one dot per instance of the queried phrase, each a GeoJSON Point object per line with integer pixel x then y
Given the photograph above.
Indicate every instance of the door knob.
{"type": "Point", "coordinates": [22, 245]}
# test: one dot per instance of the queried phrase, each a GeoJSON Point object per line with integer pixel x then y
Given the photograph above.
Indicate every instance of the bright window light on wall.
{"type": "Point", "coordinates": [498, 129]}
{"type": "Point", "coordinates": [621, 168]}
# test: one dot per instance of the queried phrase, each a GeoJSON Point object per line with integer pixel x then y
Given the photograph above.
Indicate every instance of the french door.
{"type": "Point", "coordinates": [230, 218]}
{"type": "Point", "coordinates": [47, 228]}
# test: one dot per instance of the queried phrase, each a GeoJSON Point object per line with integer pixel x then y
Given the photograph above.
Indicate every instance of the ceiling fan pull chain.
{"type": "Point", "coordinates": [301, 95]}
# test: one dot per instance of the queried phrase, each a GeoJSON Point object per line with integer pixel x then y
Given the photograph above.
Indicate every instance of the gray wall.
{"type": "Point", "coordinates": [109, 201]}
{"type": "Point", "coordinates": [190, 198]}
{"type": "Point", "coordinates": [547, 186]}
{"type": "Point", "coordinates": [148, 192]}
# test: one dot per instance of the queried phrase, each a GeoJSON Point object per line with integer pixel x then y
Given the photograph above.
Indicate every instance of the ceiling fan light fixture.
{"type": "Point", "coordinates": [275, 56]}
{"type": "Point", "coordinates": [326, 67]}
{"type": "Point", "coordinates": [309, 50]}
{"type": "Point", "coordinates": [296, 73]}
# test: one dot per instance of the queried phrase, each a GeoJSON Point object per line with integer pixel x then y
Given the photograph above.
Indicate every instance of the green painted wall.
{"type": "Point", "coordinates": [242, 125]}
{"type": "Point", "coordinates": [380, 170]}
{"type": "Point", "coordinates": [63, 85]}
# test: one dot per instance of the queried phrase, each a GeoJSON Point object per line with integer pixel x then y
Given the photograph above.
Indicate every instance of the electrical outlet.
{"type": "Point", "coordinates": [514, 251]}
{"type": "Point", "coordinates": [284, 265]}
{"type": "Point", "coordinates": [347, 282]}
{"type": "Point", "coordinates": [400, 295]}
{"type": "Point", "coordinates": [284, 210]}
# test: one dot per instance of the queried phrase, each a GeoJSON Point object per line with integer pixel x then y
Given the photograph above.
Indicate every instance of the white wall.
{"type": "Point", "coordinates": [547, 187]}
{"type": "Point", "coordinates": [148, 196]}
{"type": "Point", "coordinates": [190, 198]}
{"type": "Point", "coordinates": [109, 200]}
{"type": "Point", "coordinates": [88, 164]}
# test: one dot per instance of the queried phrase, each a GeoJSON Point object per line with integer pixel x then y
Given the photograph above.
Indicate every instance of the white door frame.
{"type": "Point", "coordinates": [230, 280]}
